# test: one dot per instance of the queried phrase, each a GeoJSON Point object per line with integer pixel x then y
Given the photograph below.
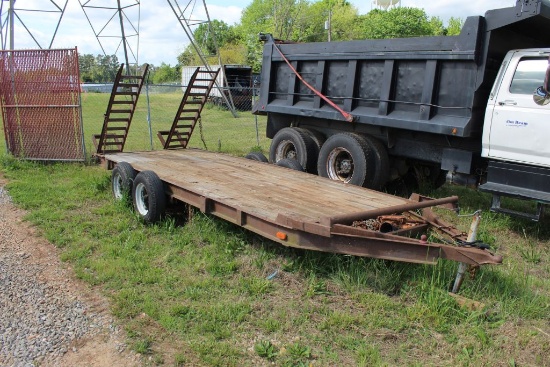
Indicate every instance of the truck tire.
{"type": "Point", "coordinates": [294, 143]}
{"type": "Point", "coordinates": [319, 139]}
{"type": "Point", "coordinates": [122, 178]}
{"type": "Point", "coordinates": [381, 173]}
{"type": "Point", "coordinates": [347, 157]}
{"type": "Point", "coordinates": [290, 163]}
{"type": "Point", "coordinates": [256, 156]}
{"type": "Point", "coordinates": [149, 197]}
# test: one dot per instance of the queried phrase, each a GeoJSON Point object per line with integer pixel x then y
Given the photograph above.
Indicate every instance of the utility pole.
{"type": "Point", "coordinates": [123, 38]}
{"type": "Point", "coordinates": [12, 26]}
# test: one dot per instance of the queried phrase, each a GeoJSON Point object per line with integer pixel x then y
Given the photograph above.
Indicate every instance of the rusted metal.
{"type": "Point", "coordinates": [120, 111]}
{"type": "Point", "coordinates": [243, 192]}
{"type": "Point", "coordinates": [40, 101]}
{"type": "Point", "coordinates": [349, 218]}
{"type": "Point", "coordinates": [463, 267]}
{"type": "Point", "coordinates": [189, 111]}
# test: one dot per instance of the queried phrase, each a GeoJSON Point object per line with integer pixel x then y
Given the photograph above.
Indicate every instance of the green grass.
{"type": "Point", "coordinates": [208, 293]}
{"type": "Point", "coordinates": [220, 130]}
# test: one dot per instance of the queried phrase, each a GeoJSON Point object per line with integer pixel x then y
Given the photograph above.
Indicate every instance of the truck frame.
{"type": "Point", "coordinates": [372, 111]}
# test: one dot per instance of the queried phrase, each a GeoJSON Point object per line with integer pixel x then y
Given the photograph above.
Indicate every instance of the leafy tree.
{"type": "Point", "coordinates": [206, 38]}
{"type": "Point", "coordinates": [218, 33]}
{"type": "Point", "coordinates": [395, 23]}
{"type": "Point", "coordinates": [98, 69]}
{"type": "Point", "coordinates": [454, 26]}
{"type": "Point", "coordinates": [165, 73]}
{"type": "Point", "coordinates": [344, 25]}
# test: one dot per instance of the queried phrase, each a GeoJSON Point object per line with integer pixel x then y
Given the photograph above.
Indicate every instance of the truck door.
{"type": "Point", "coordinates": [516, 128]}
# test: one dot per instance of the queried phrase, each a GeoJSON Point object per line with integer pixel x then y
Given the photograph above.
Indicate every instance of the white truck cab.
{"type": "Point", "coordinates": [516, 131]}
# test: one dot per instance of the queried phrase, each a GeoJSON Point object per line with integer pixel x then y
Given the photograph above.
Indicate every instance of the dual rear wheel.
{"type": "Point", "coordinates": [348, 157]}
{"type": "Point", "coordinates": [145, 188]}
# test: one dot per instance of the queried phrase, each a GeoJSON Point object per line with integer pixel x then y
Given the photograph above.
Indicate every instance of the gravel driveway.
{"type": "Point", "coordinates": [47, 316]}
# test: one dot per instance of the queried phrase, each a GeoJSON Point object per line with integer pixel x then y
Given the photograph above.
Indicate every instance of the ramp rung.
{"type": "Point", "coordinates": [128, 85]}
{"type": "Point", "coordinates": [121, 111]}
{"type": "Point", "coordinates": [123, 102]}
{"type": "Point", "coordinates": [204, 80]}
{"type": "Point", "coordinates": [184, 126]}
{"type": "Point", "coordinates": [116, 128]}
{"type": "Point", "coordinates": [125, 93]}
{"type": "Point", "coordinates": [111, 143]}
{"type": "Point", "coordinates": [113, 136]}
{"type": "Point", "coordinates": [186, 118]}
{"type": "Point", "coordinates": [116, 119]}
{"type": "Point", "coordinates": [195, 110]}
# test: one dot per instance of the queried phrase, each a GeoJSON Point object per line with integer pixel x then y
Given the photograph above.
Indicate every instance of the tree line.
{"type": "Point", "coordinates": [293, 20]}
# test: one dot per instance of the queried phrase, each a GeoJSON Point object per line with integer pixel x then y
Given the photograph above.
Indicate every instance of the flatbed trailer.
{"type": "Point", "coordinates": [305, 211]}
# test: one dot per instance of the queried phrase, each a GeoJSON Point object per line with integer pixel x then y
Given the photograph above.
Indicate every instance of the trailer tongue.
{"type": "Point", "coordinates": [300, 210]}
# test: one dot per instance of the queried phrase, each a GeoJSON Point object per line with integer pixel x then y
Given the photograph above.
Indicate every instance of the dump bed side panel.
{"type": "Point", "coordinates": [431, 84]}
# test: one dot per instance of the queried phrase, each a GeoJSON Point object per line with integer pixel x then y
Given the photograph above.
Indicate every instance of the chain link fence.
{"type": "Point", "coordinates": [40, 102]}
{"type": "Point", "coordinates": [220, 128]}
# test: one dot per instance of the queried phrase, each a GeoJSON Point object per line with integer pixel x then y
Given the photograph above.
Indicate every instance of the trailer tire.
{"type": "Point", "coordinates": [256, 156]}
{"type": "Point", "coordinates": [294, 143]}
{"type": "Point", "coordinates": [347, 157]}
{"type": "Point", "coordinates": [122, 179]}
{"type": "Point", "coordinates": [381, 173]}
{"type": "Point", "coordinates": [149, 197]}
{"type": "Point", "coordinates": [290, 163]}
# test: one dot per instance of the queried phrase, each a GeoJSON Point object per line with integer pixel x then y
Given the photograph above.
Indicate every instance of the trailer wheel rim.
{"type": "Point", "coordinates": [117, 187]}
{"type": "Point", "coordinates": [142, 199]}
{"type": "Point", "coordinates": [340, 165]}
{"type": "Point", "coordinates": [285, 149]}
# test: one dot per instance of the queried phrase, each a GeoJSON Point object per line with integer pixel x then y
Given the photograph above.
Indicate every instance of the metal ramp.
{"type": "Point", "coordinates": [189, 111]}
{"type": "Point", "coordinates": [120, 110]}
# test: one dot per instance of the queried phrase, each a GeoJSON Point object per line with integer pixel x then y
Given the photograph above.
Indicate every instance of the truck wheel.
{"type": "Point", "coordinates": [290, 163]}
{"type": "Point", "coordinates": [122, 178]}
{"type": "Point", "coordinates": [149, 197]}
{"type": "Point", "coordinates": [381, 173]}
{"type": "Point", "coordinates": [318, 139]}
{"type": "Point", "coordinates": [294, 143]}
{"type": "Point", "coordinates": [347, 157]}
{"type": "Point", "coordinates": [256, 156]}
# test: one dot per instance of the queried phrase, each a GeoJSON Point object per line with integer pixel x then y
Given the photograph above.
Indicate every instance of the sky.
{"type": "Point", "coordinates": [161, 36]}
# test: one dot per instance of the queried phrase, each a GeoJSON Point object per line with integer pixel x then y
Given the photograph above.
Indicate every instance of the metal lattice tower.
{"type": "Point", "coordinates": [187, 16]}
{"type": "Point", "coordinates": [118, 21]}
{"type": "Point", "coordinates": [10, 14]}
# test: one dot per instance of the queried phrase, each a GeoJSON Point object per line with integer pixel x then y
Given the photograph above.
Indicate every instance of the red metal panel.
{"type": "Point", "coordinates": [40, 100]}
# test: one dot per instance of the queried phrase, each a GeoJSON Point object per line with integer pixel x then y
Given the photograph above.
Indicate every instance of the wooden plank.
{"type": "Point", "coordinates": [266, 191]}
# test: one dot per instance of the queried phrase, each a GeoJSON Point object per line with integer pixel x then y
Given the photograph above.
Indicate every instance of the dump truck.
{"type": "Point", "coordinates": [460, 108]}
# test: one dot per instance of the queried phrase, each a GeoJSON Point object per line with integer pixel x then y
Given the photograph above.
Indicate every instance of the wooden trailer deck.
{"type": "Point", "coordinates": [299, 209]}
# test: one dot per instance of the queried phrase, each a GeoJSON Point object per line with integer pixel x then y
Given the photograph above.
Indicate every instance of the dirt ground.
{"type": "Point", "coordinates": [104, 345]}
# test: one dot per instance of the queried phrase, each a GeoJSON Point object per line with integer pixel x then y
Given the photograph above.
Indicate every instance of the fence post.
{"type": "Point", "coordinates": [255, 116]}
{"type": "Point", "coordinates": [149, 113]}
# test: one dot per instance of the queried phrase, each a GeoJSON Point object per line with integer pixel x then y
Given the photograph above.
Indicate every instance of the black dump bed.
{"type": "Point", "coordinates": [430, 84]}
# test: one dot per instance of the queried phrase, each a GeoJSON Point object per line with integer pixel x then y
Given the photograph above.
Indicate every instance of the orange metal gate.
{"type": "Point", "coordinates": [40, 100]}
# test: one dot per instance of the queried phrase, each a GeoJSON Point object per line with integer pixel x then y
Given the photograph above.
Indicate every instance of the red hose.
{"type": "Point", "coordinates": [347, 116]}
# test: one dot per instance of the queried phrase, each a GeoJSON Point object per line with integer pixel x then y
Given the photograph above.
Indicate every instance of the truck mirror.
{"type": "Point", "coordinates": [542, 94]}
